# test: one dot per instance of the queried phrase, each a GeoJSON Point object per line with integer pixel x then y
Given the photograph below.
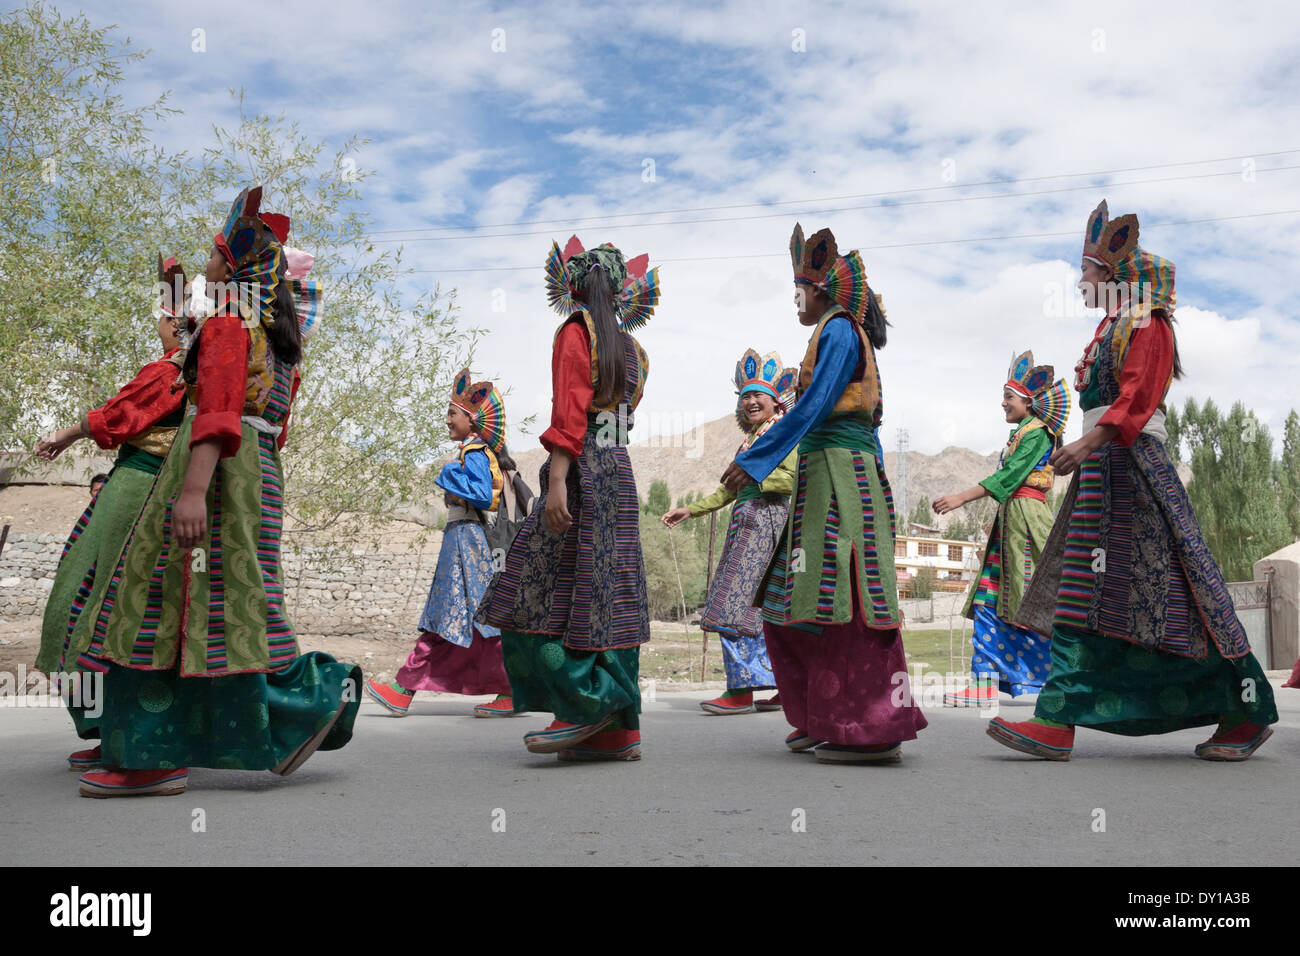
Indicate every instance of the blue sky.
{"type": "Point", "coordinates": [919, 100]}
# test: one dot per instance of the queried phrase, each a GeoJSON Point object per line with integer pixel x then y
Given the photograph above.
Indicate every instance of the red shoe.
{"type": "Point", "coordinates": [800, 741]}
{"type": "Point", "coordinates": [772, 703]}
{"type": "Point", "coordinates": [561, 736]}
{"type": "Point", "coordinates": [730, 703]}
{"type": "Point", "coordinates": [1236, 744]}
{"type": "Point", "coordinates": [972, 697]}
{"type": "Point", "coordinates": [1037, 740]}
{"type": "Point", "coordinates": [134, 783]}
{"type": "Point", "coordinates": [503, 706]}
{"type": "Point", "coordinates": [390, 697]}
{"type": "Point", "coordinates": [84, 760]}
{"type": "Point", "coordinates": [607, 745]}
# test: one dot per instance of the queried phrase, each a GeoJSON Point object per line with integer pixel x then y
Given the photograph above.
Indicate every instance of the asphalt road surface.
{"type": "Point", "coordinates": [441, 787]}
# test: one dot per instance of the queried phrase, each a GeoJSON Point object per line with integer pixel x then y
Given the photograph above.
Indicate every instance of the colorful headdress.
{"type": "Point", "coordinates": [1114, 243]}
{"type": "Point", "coordinates": [817, 262]}
{"type": "Point", "coordinates": [257, 263]}
{"type": "Point", "coordinates": [635, 291]}
{"type": "Point", "coordinates": [763, 373]}
{"type": "Point", "coordinates": [486, 408]}
{"type": "Point", "coordinates": [1048, 401]}
{"type": "Point", "coordinates": [306, 292]}
{"type": "Point", "coordinates": [171, 275]}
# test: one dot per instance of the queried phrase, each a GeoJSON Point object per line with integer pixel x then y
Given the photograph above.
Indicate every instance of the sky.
{"type": "Point", "coordinates": [959, 146]}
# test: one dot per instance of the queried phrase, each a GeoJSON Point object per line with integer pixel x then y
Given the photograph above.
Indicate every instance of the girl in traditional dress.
{"type": "Point", "coordinates": [757, 522]}
{"type": "Point", "coordinates": [453, 654]}
{"type": "Point", "coordinates": [1145, 639]}
{"type": "Point", "coordinates": [203, 666]}
{"type": "Point", "coordinates": [140, 422]}
{"type": "Point", "coordinates": [830, 605]}
{"type": "Point", "coordinates": [571, 602]}
{"type": "Point", "coordinates": [1013, 659]}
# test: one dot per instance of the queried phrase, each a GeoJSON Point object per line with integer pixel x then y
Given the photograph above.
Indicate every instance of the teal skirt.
{"type": "Point", "coordinates": [158, 720]}
{"type": "Point", "coordinates": [578, 687]}
{"type": "Point", "coordinates": [1104, 683]}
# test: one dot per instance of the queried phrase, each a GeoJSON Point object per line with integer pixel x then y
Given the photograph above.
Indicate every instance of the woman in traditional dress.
{"type": "Point", "coordinates": [757, 522]}
{"type": "Point", "coordinates": [1145, 639]}
{"type": "Point", "coordinates": [140, 422]}
{"type": "Point", "coordinates": [1013, 659]}
{"type": "Point", "coordinates": [203, 666]}
{"type": "Point", "coordinates": [454, 655]}
{"type": "Point", "coordinates": [830, 606]}
{"type": "Point", "coordinates": [571, 602]}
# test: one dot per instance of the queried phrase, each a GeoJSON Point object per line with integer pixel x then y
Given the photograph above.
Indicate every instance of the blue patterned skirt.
{"type": "Point", "coordinates": [752, 537]}
{"type": "Point", "coordinates": [463, 573]}
{"type": "Point", "coordinates": [1019, 658]}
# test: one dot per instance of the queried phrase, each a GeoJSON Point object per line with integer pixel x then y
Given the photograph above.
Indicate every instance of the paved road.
{"type": "Point", "coordinates": [711, 790]}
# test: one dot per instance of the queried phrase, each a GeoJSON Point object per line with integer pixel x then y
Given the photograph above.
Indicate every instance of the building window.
{"type": "Point", "coordinates": [927, 549]}
{"type": "Point", "coordinates": [955, 552]}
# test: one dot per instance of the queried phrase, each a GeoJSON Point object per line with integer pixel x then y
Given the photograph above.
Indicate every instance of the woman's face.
{"type": "Point", "coordinates": [458, 423]}
{"type": "Point", "coordinates": [217, 269]}
{"type": "Point", "coordinates": [757, 406]}
{"type": "Point", "coordinates": [1015, 406]}
{"type": "Point", "coordinates": [168, 331]}
{"type": "Point", "coordinates": [810, 302]}
{"type": "Point", "coordinates": [1092, 281]}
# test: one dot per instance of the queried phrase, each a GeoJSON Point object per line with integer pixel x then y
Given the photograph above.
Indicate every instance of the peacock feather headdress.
{"type": "Point", "coordinates": [635, 291]}
{"type": "Point", "coordinates": [817, 262]}
{"type": "Point", "coordinates": [1048, 401]}
{"type": "Point", "coordinates": [1114, 243]}
{"type": "Point", "coordinates": [486, 408]}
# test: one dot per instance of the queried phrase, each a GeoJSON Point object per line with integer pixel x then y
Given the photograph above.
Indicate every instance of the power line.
{"type": "Point", "coordinates": [876, 195]}
{"type": "Point", "coordinates": [840, 209]}
{"type": "Point", "coordinates": [893, 245]}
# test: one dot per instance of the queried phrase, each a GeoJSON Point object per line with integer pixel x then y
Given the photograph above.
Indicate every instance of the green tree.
{"type": "Point", "coordinates": [658, 501]}
{"type": "Point", "coordinates": [924, 585]}
{"type": "Point", "coordinates": [1288, 473]}
{"type": "Point", "coordinates": [669, 553]}
{"type": "Point", "coordinates": [87, 199]}
{"type": "Point", "coordinates": [921, 513]}
{"type": "Point", "coordinates": [1232, 490]}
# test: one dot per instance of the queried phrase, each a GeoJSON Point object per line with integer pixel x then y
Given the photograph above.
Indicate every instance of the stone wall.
{"type": "Point", "coordinates": [355, 593]}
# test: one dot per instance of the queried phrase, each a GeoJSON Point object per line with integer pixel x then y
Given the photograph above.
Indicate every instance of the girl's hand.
{"type": "Point", "coordinates": [557, 515]}
{"type": "Point", "coordinates": [676, 516]}
{"type": "Point", "coordinates": [945, 503]}
{"type": "Point", "coordinates": [735, 477]}
{"type": "Point", "coordinates": [189, 519]}
{"type": "Point", "coordinates": [1068, 458]}
{"type": "Point", "coordinates": [52, 446]}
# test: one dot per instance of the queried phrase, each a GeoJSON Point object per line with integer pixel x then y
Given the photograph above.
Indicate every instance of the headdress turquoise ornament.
{"type": "Point", "coordinates": [763, 373]}
{"type": "Point", "coordinates": [635, 291]}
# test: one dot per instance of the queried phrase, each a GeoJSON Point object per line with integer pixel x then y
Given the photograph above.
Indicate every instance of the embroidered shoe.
{"type": "Point", "coordinates": [84, 760]}
{"type": "Point", "coordinates": [607, 745]}
{"type": "Point", "coordinates": [1236, 744]}
{"type": "Point", "coordinates": [390, 697]}
{"type": "Point", "coordinates": [133, 783]}
{"type": "Point", "coordinates": [503, 706]}
{"type": "Point", "coordinates": [1037, 740]}
{"type": "Point", "coordinates": [800, 741]}
{"type": "Point", "coordinates": [730, 703]}
{"type": "Point", "coordinates": [561, 736]}
{"type": "Point", "coordinates": [972, 697]}
{"type": "Point", "coordinates": [772, 703]}
{"type": "Point", "coordinates": [844, 753]}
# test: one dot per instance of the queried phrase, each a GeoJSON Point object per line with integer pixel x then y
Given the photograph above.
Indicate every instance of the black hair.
{"type": "Point", "coordinates": [284, 335]}
{"type": "Point", "coordinates": [874, 321]}
{"type": "Point", "coordinates": [504, 461]}
{"type": "Point", "coordinates": [611, 374]}
{"type": "Point", "coordinates": [100, 477]}
{"type": "Point", "coordinates": [1178, 362]}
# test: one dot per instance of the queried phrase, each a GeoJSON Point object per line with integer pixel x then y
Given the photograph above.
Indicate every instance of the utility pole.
{"type": "Point", "coordinates": [901, 479]}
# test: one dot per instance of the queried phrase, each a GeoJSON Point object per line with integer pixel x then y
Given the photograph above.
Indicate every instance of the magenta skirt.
{"type": "Point", "coordinates": [440, 665]}
{"type": "Point", "coordinates": [847, 685]}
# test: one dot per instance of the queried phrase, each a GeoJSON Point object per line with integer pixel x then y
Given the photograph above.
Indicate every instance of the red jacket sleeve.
{"type": "Point", "coordinates": [221, 380]}
{"type": "Point", "coordinates": [145, 399]}
{"type": "Point", "coordinates": [1147, 366]}
{"type": "Point", "coordinates": [571, 390]}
